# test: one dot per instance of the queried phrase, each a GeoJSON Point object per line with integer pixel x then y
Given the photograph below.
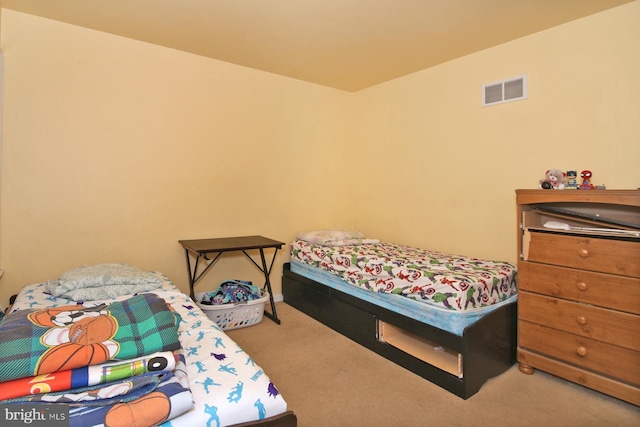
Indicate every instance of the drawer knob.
{"type": "Point", "coordinates": [581, 286]}
{"type": "Point", "coordinates": [583, 253]}
{"type": "Point", "coordinates": [582, 351]}
{"type": "Point", "coordinates": [581, 320]}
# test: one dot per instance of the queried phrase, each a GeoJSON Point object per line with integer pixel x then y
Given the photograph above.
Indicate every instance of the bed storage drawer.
{"type": "Point", "coordinates": [601, 324]}
{"type": "Point", "coordinates": [606, 290]}
{"type": "Point", "coordinates": [331, 308]}
{"type": "Point", "coordinates": [459, 364]}
{"type": "Point", "coordinates": [586, 253]}
{"type": "Point", "coordinates": [588, 353]}
{"type": "Point", "coordinates": [428, 351]}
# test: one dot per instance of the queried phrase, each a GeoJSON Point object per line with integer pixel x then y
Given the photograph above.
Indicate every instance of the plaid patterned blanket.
{"type": "Point", "coordinates": [41, 341]}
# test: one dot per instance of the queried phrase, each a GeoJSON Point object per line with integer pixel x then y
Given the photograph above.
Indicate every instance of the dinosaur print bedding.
{"type": "Point", "coordinates": [452, 282]}
{"type": "Point", "coordinates": [205, 379]}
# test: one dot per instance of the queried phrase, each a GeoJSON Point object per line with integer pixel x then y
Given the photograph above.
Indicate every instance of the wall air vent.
{"type": "Point", "coordinates": [513, 89]}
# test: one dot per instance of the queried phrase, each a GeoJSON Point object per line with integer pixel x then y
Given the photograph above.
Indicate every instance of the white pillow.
{"type": "Point", "coordinates": [324, 237]}
{"type": "Point", "coordinates": [91, 282]}
{"type": "Point", "coordinates": [336, 238]}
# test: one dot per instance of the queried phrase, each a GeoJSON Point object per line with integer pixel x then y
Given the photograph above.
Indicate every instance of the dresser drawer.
{"type": "Point", "coordinates": [601, 324]}
{"type": "Point", "coordinates": [605, 290]}
{"type": "Point", "coordinates": [586, 252]}
{"type": "Point", "coordinates": [587, 353]}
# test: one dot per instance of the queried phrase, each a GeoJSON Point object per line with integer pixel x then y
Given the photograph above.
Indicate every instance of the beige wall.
{"type": "Point", "coordinates": [447, 168]}
{"type": "Point", "coordinates": [114, 149]}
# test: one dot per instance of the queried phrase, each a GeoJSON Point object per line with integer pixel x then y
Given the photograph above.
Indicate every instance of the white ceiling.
{"type": "Point", "coordinates": [345, 44]}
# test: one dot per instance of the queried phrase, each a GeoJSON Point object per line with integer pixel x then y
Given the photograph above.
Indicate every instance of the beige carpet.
{"type": "Point", "coordinates": [329, 380]}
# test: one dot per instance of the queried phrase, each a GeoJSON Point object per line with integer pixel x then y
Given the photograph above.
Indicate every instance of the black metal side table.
{"type": "Point", "coordinates": [200, 249]}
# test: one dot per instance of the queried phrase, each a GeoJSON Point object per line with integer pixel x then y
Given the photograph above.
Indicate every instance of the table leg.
{"type": "Point", "coordinates": [267, 283]}
{"type": "Point", "coordinates": [193, 278]}
{"type": "Point", "coordinates": [191, 275]}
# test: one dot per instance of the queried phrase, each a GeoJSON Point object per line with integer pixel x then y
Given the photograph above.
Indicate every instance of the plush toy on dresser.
{"type": "Point", "coordinates": [586, 180]}
{"type": "Point", "coordinates": [572, 180]}
{"type": "Point", "coordinates": [553, 180]}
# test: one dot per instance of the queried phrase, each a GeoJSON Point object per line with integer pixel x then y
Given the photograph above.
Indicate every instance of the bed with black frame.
{"type": "Point", "coordinates": [459, 356]}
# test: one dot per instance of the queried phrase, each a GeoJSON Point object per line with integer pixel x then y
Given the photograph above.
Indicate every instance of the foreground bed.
{"type": "Point", "coordinates": [458, 350]}
{"type": "Point", "coordinates": [222, 384]}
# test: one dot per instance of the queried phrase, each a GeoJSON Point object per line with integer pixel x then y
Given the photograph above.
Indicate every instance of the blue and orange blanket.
{"type": "Point", "coordinates": [103, 360]}
{"type": "Point", "coordinates": [225, 385]}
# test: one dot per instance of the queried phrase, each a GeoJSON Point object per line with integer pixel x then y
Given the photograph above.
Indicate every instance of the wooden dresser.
{"type": "Point", "coordinates": [579, 290]}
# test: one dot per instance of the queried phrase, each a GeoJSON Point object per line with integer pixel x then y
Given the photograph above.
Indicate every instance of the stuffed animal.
{"type": "Point", "coordinates": [553, 180]}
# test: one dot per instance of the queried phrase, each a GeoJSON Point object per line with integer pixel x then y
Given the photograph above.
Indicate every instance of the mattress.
{"type": "Point", "coordinates": [227, 386]}
{"type": "Point", "coordinates": [442, 318]}
{"type": "Point", "coordinates": [453, 282]}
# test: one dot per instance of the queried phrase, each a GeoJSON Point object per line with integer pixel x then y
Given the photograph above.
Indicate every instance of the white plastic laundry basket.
{"type": "Point", "coordinates": [233, 316]}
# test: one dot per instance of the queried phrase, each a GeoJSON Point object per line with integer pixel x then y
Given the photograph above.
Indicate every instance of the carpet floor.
{"type": "Point", "coordinates": [329, 380]}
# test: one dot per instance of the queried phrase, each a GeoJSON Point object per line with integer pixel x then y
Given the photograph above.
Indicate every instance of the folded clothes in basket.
{"type": "Point", "coordinates": [232, 291]}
